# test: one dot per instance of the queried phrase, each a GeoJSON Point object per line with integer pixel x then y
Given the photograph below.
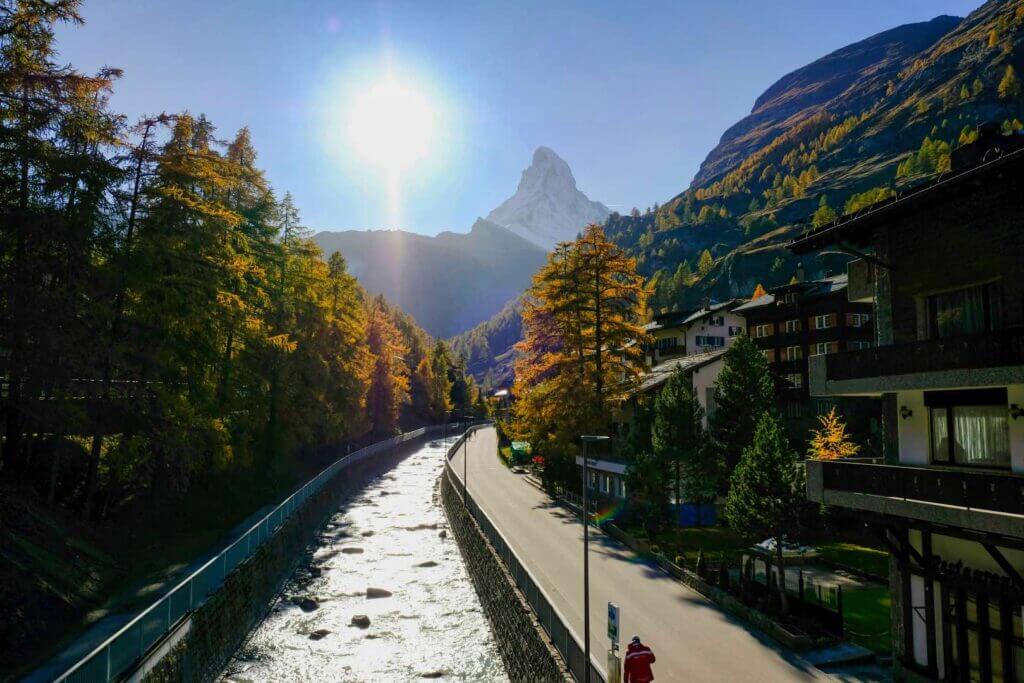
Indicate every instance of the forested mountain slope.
{"type": "Point", "coordinates": [892, 126]}
{"type": "Point", "coordinates": [449, 282]}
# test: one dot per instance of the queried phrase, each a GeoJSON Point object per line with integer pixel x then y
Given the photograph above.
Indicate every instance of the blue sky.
{"type": "Point", "coordinates": [632, 95]}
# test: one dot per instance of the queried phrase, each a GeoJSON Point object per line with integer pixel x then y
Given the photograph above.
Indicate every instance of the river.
{"type": "Point", "coordinates": [431, 626]}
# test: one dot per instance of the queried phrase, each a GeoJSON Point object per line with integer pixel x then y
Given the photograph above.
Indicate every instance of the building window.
{"type": "Point", "coordinates": [821, 348]}
{"type": "Point", "coordinates": [859, 345]}
{"type": "Point", "coordinates": [793, 325]}
{"type": "Point", "coordinates": [668, 344]}
{"type": "Point", "coordinates": [735, 331]}
{"type": "Point", "coordinates": [824, 322]}
{"type": "Point", "coordinates": [792, 353]}
{"type": "Point", "coordinates": [789, 298]}
{"type": "Point", "coordinates": [705, 341]}
{"type": "Point", "coordinates": [857, 319]}
{"type": "Point", "coordinates": [795, 380]}
{"type": "Point", "coordinates": [717, 320]}
{"type": "Point", "coordinates": [769, 355]}
{"type": "Point", "coordinates": [762, 331]}
{"type": "Point", "coordinates": [969, 427]}
{"type": "Point", "coordinates": [965, 311]}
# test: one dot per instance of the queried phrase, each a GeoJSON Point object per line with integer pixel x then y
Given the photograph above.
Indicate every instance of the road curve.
{"type": "Point", "coordinates": [691, 637]}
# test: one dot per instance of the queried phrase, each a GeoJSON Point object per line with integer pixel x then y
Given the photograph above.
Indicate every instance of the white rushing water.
{"type": "Point", "coordinates": [431, 626]}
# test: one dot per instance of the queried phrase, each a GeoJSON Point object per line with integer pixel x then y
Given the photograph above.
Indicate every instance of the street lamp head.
{"type": "Point", "coordinates": [593, 438]}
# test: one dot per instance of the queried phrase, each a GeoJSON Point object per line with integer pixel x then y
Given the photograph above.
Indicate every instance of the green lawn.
{"type": "Point", "coordinates": [866, 610]}
{"type": "Point", "coordinates": [871, 560]}
{"type": "Point", "coordinates": [866, 615]}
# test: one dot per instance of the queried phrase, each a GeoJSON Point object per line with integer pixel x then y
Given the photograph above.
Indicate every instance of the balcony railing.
{"type": "Point", "coordinates": [988, 490]}
{"type": "Point", "coordinates": [989, 350]}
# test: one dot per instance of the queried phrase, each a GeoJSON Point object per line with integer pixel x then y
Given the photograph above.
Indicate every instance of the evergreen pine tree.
{"type": "Point", "coordinates": [678, 437]}
{"type": "Point", "coordinates": [744, 391]}
{"type": "Point", "coordinates": [767, 490]}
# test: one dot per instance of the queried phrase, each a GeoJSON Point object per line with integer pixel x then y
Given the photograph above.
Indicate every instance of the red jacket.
{"type": "Point", "coordinates": [638, 663]}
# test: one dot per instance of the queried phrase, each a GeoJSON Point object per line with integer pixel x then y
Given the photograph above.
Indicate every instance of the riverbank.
{"type": "Point", "coordinates": [392, 597]}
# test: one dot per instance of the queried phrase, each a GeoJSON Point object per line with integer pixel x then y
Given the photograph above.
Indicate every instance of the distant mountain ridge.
{"type": "Point", "coordinates": [809, 88]}
{"type": "Point", "coordinates": [449, 282]}
{"type": "Point", "coordinates": [547, 207]}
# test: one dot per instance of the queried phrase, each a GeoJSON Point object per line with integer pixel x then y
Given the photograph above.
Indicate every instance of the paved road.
{"type": "Point", "coordinates": [692, 639]}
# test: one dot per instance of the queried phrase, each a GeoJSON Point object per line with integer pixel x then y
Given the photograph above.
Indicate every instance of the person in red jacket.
{"type": "Point", "coordinates": [639, 658]}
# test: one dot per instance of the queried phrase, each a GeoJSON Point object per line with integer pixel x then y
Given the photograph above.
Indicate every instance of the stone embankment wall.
{"type": "Point", "coordinates": [218, 629]}
{"type": "Point", "coordinates": [527, 653]}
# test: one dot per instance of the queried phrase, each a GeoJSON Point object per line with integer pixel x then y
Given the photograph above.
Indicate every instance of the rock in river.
{"type": "Point", "coordinates": [352, 551]}
{"type": "Point", "coordinates": [428, 563]}
{"type": "Point", "coordinates": [361, 620]}
{"type": "Point", "coordinates": [318, 634]}
{"type": "Point", "coordinates": [308, 604]}
{"type": "Point", "coordinates": [372, 593]}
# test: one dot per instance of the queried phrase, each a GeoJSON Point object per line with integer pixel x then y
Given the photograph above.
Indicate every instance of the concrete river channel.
{"type": "Point", "coordinates": [328, 623]}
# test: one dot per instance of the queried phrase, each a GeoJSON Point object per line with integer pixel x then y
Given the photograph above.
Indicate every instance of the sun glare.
{"type": "Point", "coordinates": [391, 125]}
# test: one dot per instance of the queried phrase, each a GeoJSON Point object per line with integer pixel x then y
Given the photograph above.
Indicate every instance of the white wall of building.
{"type": "Point", "coordinates": [703, 379]}
{"type": "Point", "coordinates": [703, 327]}
{"type": "Point", "coordinates": [913, 430]}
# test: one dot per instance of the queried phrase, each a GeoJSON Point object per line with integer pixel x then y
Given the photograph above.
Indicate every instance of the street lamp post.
{"type": "Point", "coordinates": [587, 439]}
{"type": "Point", "coordinates": [465, 462]}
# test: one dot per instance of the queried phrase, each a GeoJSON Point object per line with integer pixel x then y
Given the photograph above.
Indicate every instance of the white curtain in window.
{"type": "Point", "coordinates": [982, 435]}
{"type": "Point", "coordinates": [940, 439]}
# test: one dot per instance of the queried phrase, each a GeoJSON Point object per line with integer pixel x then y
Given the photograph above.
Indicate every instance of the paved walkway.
{"type": "Point", "coordinates": [692, 639]}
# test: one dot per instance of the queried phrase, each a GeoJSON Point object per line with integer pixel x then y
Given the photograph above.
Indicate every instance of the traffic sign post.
{"type": "Point", "coordinates": [613, 624]}
{"type": "Point", "coordinates": [614, 662]}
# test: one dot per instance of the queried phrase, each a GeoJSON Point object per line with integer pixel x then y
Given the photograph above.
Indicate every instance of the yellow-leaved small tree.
{"type": "Point", "coordinates": [831, 442]}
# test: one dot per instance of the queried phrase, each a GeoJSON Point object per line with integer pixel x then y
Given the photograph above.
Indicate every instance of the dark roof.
{"type": "Point", "coordinates": [669, 319]}
{"type": "Point", "coordinates": [712, 308]}
{"type": "Point", "coordinates": [660, 373]}
{"type": "Point", "coordinates": [814, 289]}
{"type": "Point", "coordinates": [857, 228]}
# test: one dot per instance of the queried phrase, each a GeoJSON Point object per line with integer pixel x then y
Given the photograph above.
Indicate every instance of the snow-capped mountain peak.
{"type": "Point", "coordinates": [547, 207]}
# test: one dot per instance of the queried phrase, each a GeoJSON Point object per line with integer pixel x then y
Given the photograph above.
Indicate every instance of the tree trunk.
{"type": "Point", "coordinates": [781, 583]}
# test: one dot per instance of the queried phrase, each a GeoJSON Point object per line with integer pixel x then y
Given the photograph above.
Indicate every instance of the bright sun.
{"type": "Point", "coordinates": [391, 125]}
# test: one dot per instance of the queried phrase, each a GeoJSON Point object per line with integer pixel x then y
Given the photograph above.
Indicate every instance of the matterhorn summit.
{"type": "Point", "coordinates": [547, 207]}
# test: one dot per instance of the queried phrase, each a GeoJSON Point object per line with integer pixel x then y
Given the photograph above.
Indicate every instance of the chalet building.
{"type": "Point", "coordinates": [792, 323]}
{"type": "Point", "coordinates": [693, 341]}
{"type": "Point", "coordinates": [944, 264]}
{"type": "Point", "coordinates": [711, 327]}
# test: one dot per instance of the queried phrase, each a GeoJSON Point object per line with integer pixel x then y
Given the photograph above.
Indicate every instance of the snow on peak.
{"type": "Point", "coordinates": [547, 207]}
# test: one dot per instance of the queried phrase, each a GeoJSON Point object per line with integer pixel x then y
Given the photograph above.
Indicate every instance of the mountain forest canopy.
{"type": "Point", "coordinates": [171, 338]}
{"type": "Point", "coordinates": [167, 326]}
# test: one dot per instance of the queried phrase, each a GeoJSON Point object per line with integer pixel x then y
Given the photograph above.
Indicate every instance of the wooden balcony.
{"type": "Point", "coordinates": [987, 359]}
{"type": "Point", "coordinates": [982, 499]}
